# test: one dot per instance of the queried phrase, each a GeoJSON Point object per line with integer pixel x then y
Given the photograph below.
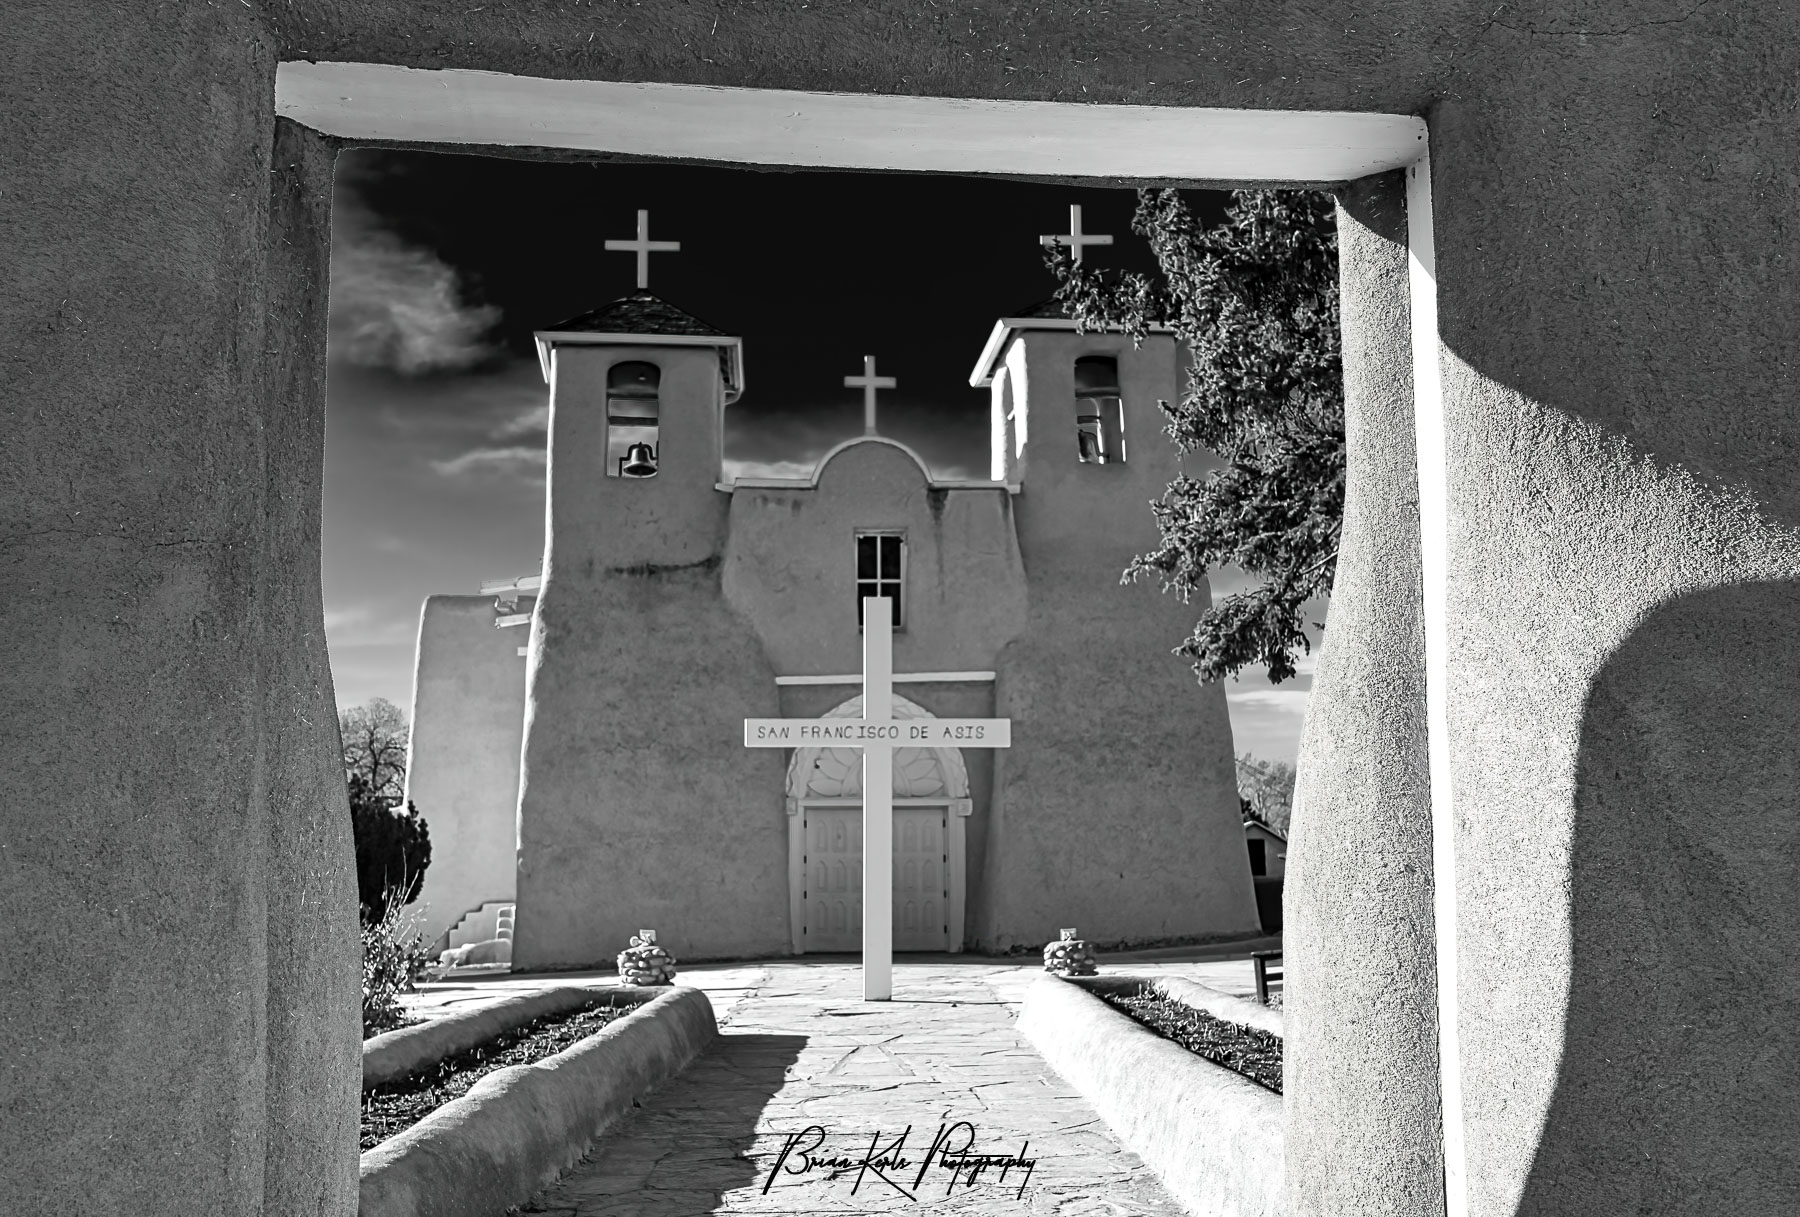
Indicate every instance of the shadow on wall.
{"type": "Point", "coordinates": [1685, 905]}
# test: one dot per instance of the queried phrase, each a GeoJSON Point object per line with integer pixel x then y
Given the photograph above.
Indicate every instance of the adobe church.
{"type": "Point", "coordinates": [596, 774]}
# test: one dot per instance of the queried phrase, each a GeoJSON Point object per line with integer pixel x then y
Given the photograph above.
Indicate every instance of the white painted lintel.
{"type": "Point", "coordinates": [899, 678]}
{"type": "Point", "coordinates": [843, 130]}
{"type": "Point", "coordinates": [1430, 427]}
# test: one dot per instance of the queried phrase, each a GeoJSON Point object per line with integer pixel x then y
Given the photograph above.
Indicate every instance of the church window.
{"type": "Point", "coordinates": [1259, 856]}
{"type": "Point", "coordinates": [880, 570]}
{"type": "Point", "coordinates": [633, 419]}
{"type": "Point", "coordinates": [1099, 410]}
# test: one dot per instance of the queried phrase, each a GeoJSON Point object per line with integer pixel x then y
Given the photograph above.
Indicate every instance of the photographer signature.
{"type": "Point", "coordinates": [801, 1155]}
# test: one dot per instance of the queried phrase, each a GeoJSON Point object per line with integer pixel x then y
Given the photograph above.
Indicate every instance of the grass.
{"type": "Point", "coordinates": [393, 1107]}
{"type": "Point", "coordinates": [394, 960]}
{"type": "Point", "coordinates": [1244, 1050]}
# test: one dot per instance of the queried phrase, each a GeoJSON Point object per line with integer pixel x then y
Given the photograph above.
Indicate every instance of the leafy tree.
{"type": "Point", "coordinates": [376, 738]}
{"type": "Point", "coordinates": [393, 848]}
{"type": "Point", "coordinates": [1266, 790]}
{"type": "Point", "coordinates": [1255, 299]}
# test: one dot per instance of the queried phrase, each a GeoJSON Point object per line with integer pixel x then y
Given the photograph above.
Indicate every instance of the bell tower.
{"type": "Point", "coordinates": [1077, 436]}
{"type": "Point", "coordinates": [629, 810]}
{"type": "Point", "coordinates": [638, 390]}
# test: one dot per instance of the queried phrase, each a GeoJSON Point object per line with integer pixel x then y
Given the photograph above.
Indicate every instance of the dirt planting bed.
{"type": "Point", "coordinates": [393, 1107]}
{"type": "Point", "coordinates": [1246, 1051]}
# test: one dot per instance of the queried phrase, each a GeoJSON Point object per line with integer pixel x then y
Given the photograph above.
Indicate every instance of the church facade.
{"type": "Point", "coordinates": [597, 777]}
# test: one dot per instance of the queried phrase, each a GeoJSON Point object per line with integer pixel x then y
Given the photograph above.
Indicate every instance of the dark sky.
{"type": "Point", "coordinates": [443, 266]}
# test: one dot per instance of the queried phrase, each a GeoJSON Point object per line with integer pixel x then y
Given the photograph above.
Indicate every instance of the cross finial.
{"type": "Point", "coordinates": [1075, 238]}
{"type": "Point", "coordinates": [643, 247]}
{"type": "Point", "coordinates": [868, 382]}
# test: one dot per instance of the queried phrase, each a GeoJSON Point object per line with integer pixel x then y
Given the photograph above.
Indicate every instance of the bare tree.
{"type": "Point", "coordinates": [376, 737]}
{"type": "Point", "coordinates": [1267, 789]}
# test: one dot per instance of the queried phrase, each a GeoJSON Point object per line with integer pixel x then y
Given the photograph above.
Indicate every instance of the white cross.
{"type": "Point", "coordinates": [878, 734]}
{"type": "Point", "coordinates": [643, 247]}
{"type": "Point", "coordinates": [868, 382]}
{"type": "Point", "coordinates": [1075, 238]}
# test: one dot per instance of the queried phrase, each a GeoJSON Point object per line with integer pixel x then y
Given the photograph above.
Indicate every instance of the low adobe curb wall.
{"type": "Point", "coordinates": [518, 1128]}
{"type": "Point", "coordinates": [394, 1054]}
{"type": "Point", "coordinates": [1200, 997]}
{"type": "Point", "coordinates": [1214, 1138]}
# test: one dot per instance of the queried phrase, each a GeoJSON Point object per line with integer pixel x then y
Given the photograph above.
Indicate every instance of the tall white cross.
{"type": "Point", "coordinates": [1075, 238]}
{"type": "Point", "coordinates": [878, 734]}
{"type": "Point", "coordinates": [643, 247]}
{"type": "Point", "coordinates": [868, 382]}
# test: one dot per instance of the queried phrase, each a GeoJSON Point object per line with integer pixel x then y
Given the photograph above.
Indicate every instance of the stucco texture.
{"type": "Point", "coordinates": [639, 805]}
{"type": "Point", "coordinates": [468, 725]}
{"type": "Point", "coordinates": [793, 554]}
{"type": "Point", "coordinates": [1117, 812]}
{"type": "Point", "coordinates": [1360, 1078]}
{"type": "Point", "coordinates": [175, 857]}
{"type": "Point", "coordinates": [1613, 188]}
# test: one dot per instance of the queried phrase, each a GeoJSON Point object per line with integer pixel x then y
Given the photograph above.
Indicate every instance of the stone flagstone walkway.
{"type": "Point", "coordinates": [801, 1051]}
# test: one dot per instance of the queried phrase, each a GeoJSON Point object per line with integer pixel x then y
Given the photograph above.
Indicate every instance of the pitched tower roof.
{"type": "Point", "coordinates": [643, 318]}
{"type": "Point", "coordinates": [638, 313]}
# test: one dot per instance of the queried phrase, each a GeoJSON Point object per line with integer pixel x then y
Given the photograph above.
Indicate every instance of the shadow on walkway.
{"type": "Point", "coordinates": [688, 1145]}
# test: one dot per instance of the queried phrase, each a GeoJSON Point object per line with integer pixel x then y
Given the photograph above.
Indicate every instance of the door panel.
{"type": "Point", "coordinates": [833, 895]}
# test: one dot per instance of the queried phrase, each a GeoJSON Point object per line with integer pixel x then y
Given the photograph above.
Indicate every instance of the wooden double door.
{"type": "Point", "coordinates": [831, 895]}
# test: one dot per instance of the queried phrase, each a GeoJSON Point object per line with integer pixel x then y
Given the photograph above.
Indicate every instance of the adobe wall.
{"type": "Point", "coordinates": [468, 725]}
{"type": "Point", "coordinates": [639, 806]}
{"type": "Point", "coordinates": [1614, 217]}
{"type": "Point", "coordinates": [1118, 813]}
{"type": "Point", "coordinates": [181, 1006]}
{"type": "Point", "coordinates": [792, 564]}
{"type": "Point", "coordinates": [789, 569]}
{"type": "Point", "coordinates": [1360, 1078]}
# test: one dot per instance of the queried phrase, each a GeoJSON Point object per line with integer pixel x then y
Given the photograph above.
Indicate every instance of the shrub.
{"type": "Point", "coordinates": [394, 960]}
{"type": "Point", "coordinates": [393, 848]}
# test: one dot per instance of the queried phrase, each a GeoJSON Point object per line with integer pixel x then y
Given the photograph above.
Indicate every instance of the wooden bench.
{"type": "Point", "coordinates": [1268, 968]}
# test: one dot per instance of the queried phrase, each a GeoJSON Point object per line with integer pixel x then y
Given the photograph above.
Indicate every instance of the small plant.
{"type": "Point", "coordinates": [394, 960]}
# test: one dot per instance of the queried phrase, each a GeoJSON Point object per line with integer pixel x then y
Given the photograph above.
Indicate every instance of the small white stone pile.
{"type": "Point", "coordinates": [1070, 956]}
{"type": "Point", "coordinates": [645, 963]}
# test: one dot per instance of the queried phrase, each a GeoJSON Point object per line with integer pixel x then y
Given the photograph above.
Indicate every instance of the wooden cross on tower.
{"type": "Point", "coordinates": [868, 382]}
{"type": "Point", "coordinates": [643, 247]}
{"type": "Point", "coordinates": [878, 734]}
{"type": "Point", "coordinates": [1075, 239]}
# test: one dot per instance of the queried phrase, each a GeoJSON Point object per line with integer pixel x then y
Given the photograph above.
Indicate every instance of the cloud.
{"type": "Point", "coordinates": [1288, 701]}
{"type": "Point", "coordinates": [359, 626]}
{"type": "Point", "coordinates": [735, 469]}
{"type": "Point", "coordinates": [1266, 722]}
{"type": "Point", "coordinates": [533, 421]}
{"type": "Point", "coordinates": [397, 306]}
{"type": "Point", "coordinates": [342, 619]}
{"type": "Point", "coordinates": [517, 461]}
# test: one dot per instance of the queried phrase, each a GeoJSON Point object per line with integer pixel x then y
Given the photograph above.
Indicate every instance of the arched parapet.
{"type": "Point", "coordinates": [824, 461]}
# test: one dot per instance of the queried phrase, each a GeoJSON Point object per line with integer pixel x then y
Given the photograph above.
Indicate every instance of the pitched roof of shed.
{"type": "Point", "coordinates": [1252, 820]}
{"type": "Point", "coordinates": [638, 313]}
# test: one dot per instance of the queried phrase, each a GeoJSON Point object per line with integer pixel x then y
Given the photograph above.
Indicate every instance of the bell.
{"type": "Point", "coordinates": [640, 462]}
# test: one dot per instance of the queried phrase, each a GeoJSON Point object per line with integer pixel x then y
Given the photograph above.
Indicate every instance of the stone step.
{"type": "Point", "coordinates": [481, 924]}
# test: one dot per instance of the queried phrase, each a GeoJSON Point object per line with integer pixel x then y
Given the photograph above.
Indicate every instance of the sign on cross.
{"type": "Point", "coordinates": [643, 247]}
{"type": "Point", "coordinates": [878, 734]}
{"type": "Point", "coordinates": [868, 382]}
{"type": "Point", "coordinates": [1075, 239]}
